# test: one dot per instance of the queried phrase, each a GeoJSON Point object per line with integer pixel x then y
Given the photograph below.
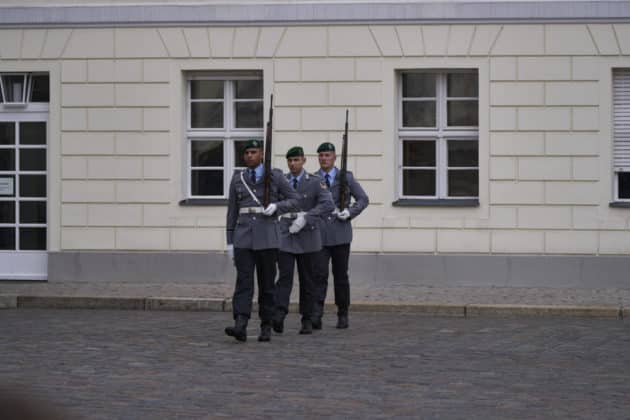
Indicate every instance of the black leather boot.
{"type": "Point", "coordinates": [239, 330]}
{"type": "Point", "coordinates": [316, 318]}
{"type": "Point", "coordinates": [278, 322]}
{"type": "Point", "coordinates": [265, 332]}
{"type": "Point", "coordinates": [307, 327]}
{"type": "Point", "coordinates": [342, 320]}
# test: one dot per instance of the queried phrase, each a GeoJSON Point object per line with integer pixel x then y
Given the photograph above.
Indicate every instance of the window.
{"type": "Point", "coordinates": [438, 132]}
{"type": "Point", "coordinates": [20, 89]}
{"type": "Point", "coordinates": [224, 111]}
{"type": "Point", "coordinates": [621, 118]}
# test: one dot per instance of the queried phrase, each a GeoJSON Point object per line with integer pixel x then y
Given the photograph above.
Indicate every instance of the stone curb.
{"type": "Point", "coordinates": [8, 301]}
{"type": "Point", "coordinates": [225, 305]}
{"type": "Point", "coordinates": [183, 304]}
{"type": "Point", "coordinates": [79, 302]}
{"type": "Point", "coordinates": [544, 311]}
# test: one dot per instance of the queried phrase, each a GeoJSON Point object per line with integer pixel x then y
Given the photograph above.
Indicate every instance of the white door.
{"type": "Point", "coordinates": [23, 196]}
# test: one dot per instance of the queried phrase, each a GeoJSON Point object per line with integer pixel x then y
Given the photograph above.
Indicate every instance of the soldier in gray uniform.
{"type": "Point", "coordinates": [252, 237]}
{"type": "Point", "coordinates": [300, 240]}
{"type": "Point", "coordinates": [336, 238]}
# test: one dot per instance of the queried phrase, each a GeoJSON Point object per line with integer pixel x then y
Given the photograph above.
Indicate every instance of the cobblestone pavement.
{"type": "Point", "coordinates": [393, 294]}
{"type": "Point", "coordinates": [164, 365]}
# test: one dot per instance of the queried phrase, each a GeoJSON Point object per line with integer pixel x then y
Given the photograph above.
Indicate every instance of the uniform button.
{"type": "Point", "coordinates": [254, 190]}
{"type": "Point", "coordinates": [253, 217]}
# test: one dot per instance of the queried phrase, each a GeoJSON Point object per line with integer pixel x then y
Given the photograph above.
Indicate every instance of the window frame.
{"type": "Point", "coordinates": [229, 135]}
{"type": "Point", "coordinates": [441, 134]}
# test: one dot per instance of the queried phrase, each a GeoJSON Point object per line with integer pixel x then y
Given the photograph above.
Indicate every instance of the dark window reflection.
{"type": "Point", "coordinates": [32, 212]}
{"type": "Point", "coordinates": [33, 185]}
{"type": "Point", "coordinates": [206, 115]}
{"type": "Point", "coordinates": [463, 183]}
{"type": "Point", "coordinates": [7, 133]}
{"type": "Point", "coordinates": [40, 91]}
{"type": "Point", "coordinates": [7, 238]}
{"type": "Point", "coordinates": [418, 85]}
{"type": "Point", "coordinates": [33, 132]}
{"type": "Point", "coordinates": [33, 159]}
{"type": "Point", "coordinates": [32, 239]}
{"type": "Point", "coordinates": [207, 182]}
{"type": "Point", "coordinates": [419, 153]}
{"type": "Point", "coordinates": [419, 114]}
{"type": "Point", "coordinates": [419, 182]}
{"type": "Point", "coordinates": [624, 185]}
{"type": "Point", "coordinates": [249, 89]}
{"type": "Point", "coordinates": [249, 114]}
{"type": "Point", "coordinates": [463, 153]}
{"type": "Point", "coordinates": [7, 211]}
{"type": "Point", "coordinates": [7, 159]}
{"type": "Point", "coordinates": [206, 153]}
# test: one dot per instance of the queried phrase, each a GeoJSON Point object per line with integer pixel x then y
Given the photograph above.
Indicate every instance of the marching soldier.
{"type": "Point", "coordinates": [336, 238]}
{"type": "Point", "coordinates": [300, 240]}
{"type": "Point", "coordinates": [252, 237]}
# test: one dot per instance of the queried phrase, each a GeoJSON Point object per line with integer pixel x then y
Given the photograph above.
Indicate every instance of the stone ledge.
{"type": "Point", "coordinates": [544, 311]}
{"type": "Point", "coordinates": [8, 301]}
{"type": "Point", "coordinates": [184, 304]}
{"type": "Point", "coordinates": [80, 302]}
{"type": "Point", "coordinates": [225, 305]}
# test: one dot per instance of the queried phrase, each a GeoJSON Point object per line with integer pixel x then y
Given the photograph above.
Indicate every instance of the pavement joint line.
{"type": "Point", "coordinates": [468, 310]}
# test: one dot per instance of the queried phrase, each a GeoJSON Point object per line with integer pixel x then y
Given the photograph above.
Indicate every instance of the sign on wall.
{"type": "Point", "coordinates": [7, 186]}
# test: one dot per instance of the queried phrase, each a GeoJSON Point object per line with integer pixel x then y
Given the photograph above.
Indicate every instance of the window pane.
{"type": "Point", "coordinates": [13, 87]}
{"type": "Point", "coordinates": [419, 114]}
{"type": "Point", "coordinates": [463, 113]}
{"type": "Point", "coordinates": [418, 182]}
{"type": "Point", "coordinates": [207, 182]}
{"type": "Point", "coordinates": [7, 159]}
{"type": "Point", "coordinates": [32, 212]}
{"type": "Point", "coordinates": [418, 85]}
{"type": "Point", "coordinates": [7, 238]}
{"type": "Point", "coordinates": [206, 89]}
{"type": "Point", "coordinates": [418, 153]}
{"type": "Point", "coordinates": [7, 211]}
{"type": "Point", "coordinates": [7, 133]}
{"type": "Point", "coordinates": [206, 153]}
{"type": "Point", "coordinates": [462, 153]}
{"type": "Point", "coordinates": [33, 238]}
{"type": "Point", "coordinates": [206, 115]}
{"type": "Point", "coordinates": [33, 133]}
{"type": "Point", "coordinates": [249, 89]}
{"type": "Point", "coordinates": [239, 149]}
{"type": "Point", "coordinates": [33, 159]}
{"type": "Point", "coordinates": [462, 85]}
{"type": "Point", "coordinates": [40, 91]}
{"type": "Point", "coordinates": [624, 185]}
{"type": "Point", "coordinates": [33, 185]}
{"type": "Point", "coordinates": [463, 183]}
{"type": "Point", "coordinates": [249, 114]}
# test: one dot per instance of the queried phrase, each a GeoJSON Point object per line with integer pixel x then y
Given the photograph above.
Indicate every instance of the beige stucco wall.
{"type": "Point", "coordinates": [118, 140]}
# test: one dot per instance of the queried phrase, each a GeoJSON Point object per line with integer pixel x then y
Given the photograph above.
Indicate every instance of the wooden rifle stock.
{"type": "Point", "coordinates": [268, 142]}
{"type": "Point", "coordinates": [343, 177]}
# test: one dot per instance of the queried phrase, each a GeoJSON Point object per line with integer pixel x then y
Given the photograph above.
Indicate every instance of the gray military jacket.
{"type": "Point", "coordinates": [316, 201]}
{"type": "Point", "coordinates": [255, 230]}
{"type": "Point", "coordinates": [339, 232]}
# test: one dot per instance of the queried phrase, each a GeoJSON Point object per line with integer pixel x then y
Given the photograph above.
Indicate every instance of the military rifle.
{"type": "Point", "coordinates": [343, 177]}
{"type": "Point", "coordinates": [268, 140]}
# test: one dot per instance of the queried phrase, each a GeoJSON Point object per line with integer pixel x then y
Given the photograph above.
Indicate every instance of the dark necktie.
{"type": "Point", "coordinates": [252, 175]}
{"type": "Point", "coordinates": [327, 177]}
{"type": "Point", "coordinates": [295, 182]}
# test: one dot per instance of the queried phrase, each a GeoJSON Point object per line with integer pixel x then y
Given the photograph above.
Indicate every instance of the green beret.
{"type": "Point", "coordinates": [295, 151]}
{"type": "Point", "coordinates": [253, 144]}
{"type": "Point", "coordinates": [326, 147]}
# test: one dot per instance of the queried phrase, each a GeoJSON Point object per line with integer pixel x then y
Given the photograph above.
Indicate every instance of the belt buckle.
{"type": "Point", "coordinates": [251, 210]}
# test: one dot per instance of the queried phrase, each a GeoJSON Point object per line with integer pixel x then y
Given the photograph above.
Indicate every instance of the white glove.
{"type": "Point", "coordinates": [270, 210]}
{"type": "Point", "coordinates": [230, 251]}
{"type": "Point", "coordinates": [343, 215]}
{"type": "Point", "coordinates": [335, 211]}
{"type": "Point", "coordinates": [298, 224]}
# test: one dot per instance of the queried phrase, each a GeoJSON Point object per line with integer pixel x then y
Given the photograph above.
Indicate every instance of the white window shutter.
{"type": "Point", "coordinates": [621, 118]}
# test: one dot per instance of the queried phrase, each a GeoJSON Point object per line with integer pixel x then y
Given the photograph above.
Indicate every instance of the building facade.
{"type": "Point", "coordinates": [493, 139]}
